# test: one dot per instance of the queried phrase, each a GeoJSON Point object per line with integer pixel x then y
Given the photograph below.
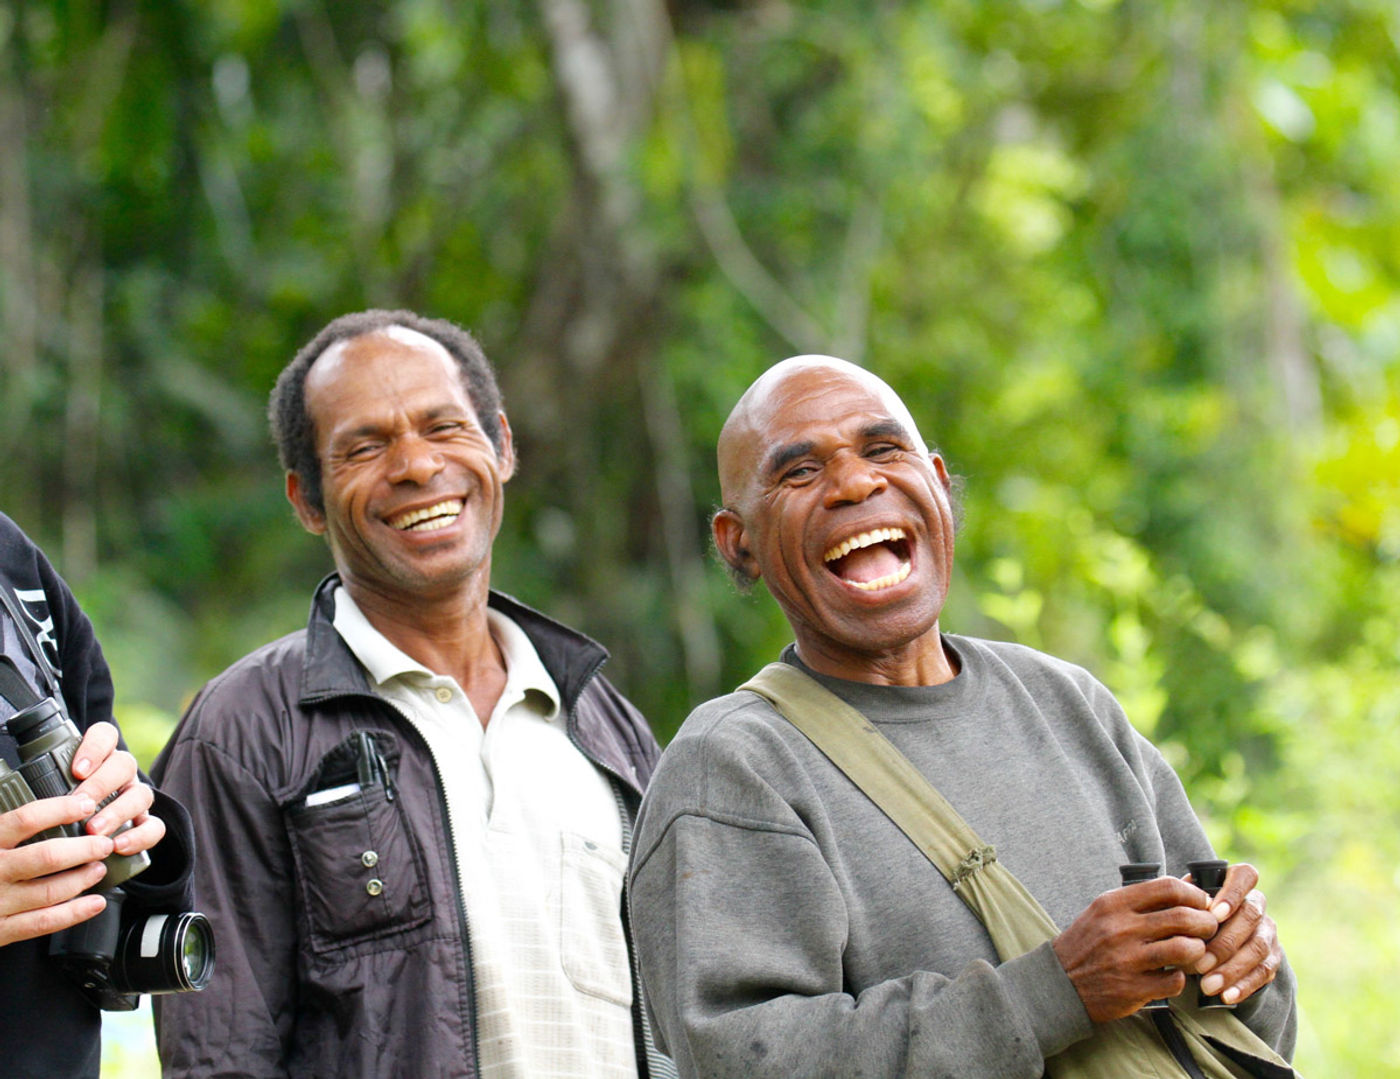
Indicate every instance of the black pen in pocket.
{"type": "Point", "coordinates": [370, 764]}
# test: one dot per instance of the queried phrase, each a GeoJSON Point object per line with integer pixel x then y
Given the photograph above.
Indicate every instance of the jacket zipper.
{"type": "Point", "coordinates": [473, 1016]}
{"type": "Point", "coordinates": [641, 1034]}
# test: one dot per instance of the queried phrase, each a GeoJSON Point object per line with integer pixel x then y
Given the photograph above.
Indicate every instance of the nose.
{"type": "Point", "coordinates": [851, 479]}
{"type": "Point", "coordinates": [413, 460]}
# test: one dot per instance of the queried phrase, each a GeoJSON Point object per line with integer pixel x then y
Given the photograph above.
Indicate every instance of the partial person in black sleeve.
{"type": "Point", "coordinates": [48, 1026]}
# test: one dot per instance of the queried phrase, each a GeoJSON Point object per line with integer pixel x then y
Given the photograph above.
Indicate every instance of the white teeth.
{"type": "Point", "coordinates": [430, 519]}
{"type": "Point", "coordinates": [882, 582]}
{"type": "Point", "coordinates": [867, 539]}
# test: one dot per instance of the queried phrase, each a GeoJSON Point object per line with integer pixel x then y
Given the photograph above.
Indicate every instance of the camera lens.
{"type": "Point", "coordinates": [165, 953]}
{"type": "Point", "coordinates": [197, 952]}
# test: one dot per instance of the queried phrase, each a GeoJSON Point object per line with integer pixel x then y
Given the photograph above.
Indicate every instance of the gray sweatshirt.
{"type": "Point", "coordinates": [786, 928]}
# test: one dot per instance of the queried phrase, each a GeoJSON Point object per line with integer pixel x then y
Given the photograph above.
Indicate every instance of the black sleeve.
{"type": "Point", "coordinates": [71, 645]}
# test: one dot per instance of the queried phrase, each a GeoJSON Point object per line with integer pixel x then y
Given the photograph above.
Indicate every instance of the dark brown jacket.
{"type": "Point", "coordinates": [316, 976]}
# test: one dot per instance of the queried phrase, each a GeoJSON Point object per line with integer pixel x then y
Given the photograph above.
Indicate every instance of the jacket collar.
{"type": "Point", "coordinates": [331, 669]}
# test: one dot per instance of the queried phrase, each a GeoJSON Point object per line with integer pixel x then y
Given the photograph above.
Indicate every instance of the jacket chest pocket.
{"type": "Point", "coordinates": [360, 871]}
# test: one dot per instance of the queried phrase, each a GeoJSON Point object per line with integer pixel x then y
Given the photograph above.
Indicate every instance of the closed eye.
{"type": "Point", "coordinates": [363, 450]}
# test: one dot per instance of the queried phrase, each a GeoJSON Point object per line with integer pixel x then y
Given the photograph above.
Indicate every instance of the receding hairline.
{"type": "Point", "coordinates": [395, 331]}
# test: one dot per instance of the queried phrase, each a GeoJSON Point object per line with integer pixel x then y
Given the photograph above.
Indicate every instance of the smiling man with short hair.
{"type": "Point", "coordinates": [787, 927]}
{"type": "Point", "coordinates": [415, 813]}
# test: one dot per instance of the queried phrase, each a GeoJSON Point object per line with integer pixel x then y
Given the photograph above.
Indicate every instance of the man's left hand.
{"type": "Point", "coordinates": [1244, 955]}
{"type": "Point", "coordinates": [103, 768]}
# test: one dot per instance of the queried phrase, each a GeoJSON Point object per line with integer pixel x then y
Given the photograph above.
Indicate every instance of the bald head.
{"type": "Point", "coordinates": [832, 498]}
{"type": "Point", "coordinates": [739, 442]}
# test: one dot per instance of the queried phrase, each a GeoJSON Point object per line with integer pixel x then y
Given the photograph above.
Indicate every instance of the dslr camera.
{"type": "Point", "coordinates": [115, 956]}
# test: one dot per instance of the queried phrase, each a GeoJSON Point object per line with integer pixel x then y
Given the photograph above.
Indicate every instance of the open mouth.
{"type": "Point", "coordinates": [428, 519]}
{"type": "Point", "coordinates": [872, 560]}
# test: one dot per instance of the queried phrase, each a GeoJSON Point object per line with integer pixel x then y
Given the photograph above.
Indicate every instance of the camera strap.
{"type": "Point", "coordinates": [14, 688]}
{"type": "Point", "coordinates": [26, 634]}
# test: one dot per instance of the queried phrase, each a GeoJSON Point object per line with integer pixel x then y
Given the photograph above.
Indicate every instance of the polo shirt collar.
{"type": "Point", "coordinates": [383, 660]}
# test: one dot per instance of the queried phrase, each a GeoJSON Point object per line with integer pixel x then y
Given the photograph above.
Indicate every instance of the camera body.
{"type": "Point", "coordinates": [115, 956]}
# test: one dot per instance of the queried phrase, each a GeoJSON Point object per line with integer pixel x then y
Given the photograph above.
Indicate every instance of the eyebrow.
{"type": "Point", "coordinates": [887, 429]}
{"type": "Point", "coordinates": [784, 455]}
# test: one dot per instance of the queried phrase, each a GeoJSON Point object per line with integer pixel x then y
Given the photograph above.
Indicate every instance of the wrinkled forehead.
{"type": "Point", "coordinates": [798, 398]}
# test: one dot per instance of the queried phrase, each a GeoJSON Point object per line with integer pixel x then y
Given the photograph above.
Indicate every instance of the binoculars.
{"type": "Point", "coordinates": [113, 957]}
{"type": "Point", "coordinates": [1209, 876]}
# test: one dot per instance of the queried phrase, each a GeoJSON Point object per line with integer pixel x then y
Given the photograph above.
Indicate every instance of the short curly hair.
{"type": "Point", "coordinates": [292, 427]}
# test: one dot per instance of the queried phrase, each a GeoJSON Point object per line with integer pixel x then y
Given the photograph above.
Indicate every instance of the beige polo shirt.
{"type": "Point", "coordinates": [539, 854]}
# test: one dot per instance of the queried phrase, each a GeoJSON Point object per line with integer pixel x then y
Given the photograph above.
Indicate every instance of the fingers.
{"type": "Point", "coordinates": [50, 919]}
{"type": "Point", "coordinates": [104, 769]}
{"type": "Point", "coordinates": [1239, 882]}
{"type": "Point", "coordinates": [30, 819]}
{"type": "Point", "coordinates": [1184, 922]}
{"type": "Point", "coordinates": [41, 884]}
{"type": "Point", "coordinates": [34, 861]}
{"type": "Point", "coordinates": [1174, 951]}
{"type": "Point", "coordinates": [98, 742]}
{"type": "Point", "coordinates": [145, 832]}
{"type": "Point", "coordinates": [1116, 953]}
{"type": "Point", "coordinates": [1162, 893]}
{"type": "Point", "coordinates": [130, 805]}
{"type": "Point", "coordinates": [115, 771]}
{"type": "Point", "coordinates": [1245, 955]}
{"type": "Point", "coordinates": [1234, 932]}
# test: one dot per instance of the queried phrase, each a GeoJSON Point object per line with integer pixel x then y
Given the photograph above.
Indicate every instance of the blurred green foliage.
{"type": "Point", "coordinates": [1133, 264]}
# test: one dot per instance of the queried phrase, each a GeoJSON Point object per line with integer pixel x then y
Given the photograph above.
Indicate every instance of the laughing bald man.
{"type": "Point", "coordinates": [785, 926]}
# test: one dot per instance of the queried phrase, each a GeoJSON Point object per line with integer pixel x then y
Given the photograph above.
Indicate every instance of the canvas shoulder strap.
{"type": "Point", "coordinates": [1222, 1046]}
{"type": "Point", "coordinates": [1014, 918]}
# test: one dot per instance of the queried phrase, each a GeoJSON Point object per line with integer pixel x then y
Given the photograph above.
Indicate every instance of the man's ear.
{"type": "Point", "coordinates": [941, 471]}
{"type": "Point", "coordinates": [312, 519]}
{"type": "Point", "coordinates": [732, 542]}
{"type": "Point", "coordinates": [506, 454]}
